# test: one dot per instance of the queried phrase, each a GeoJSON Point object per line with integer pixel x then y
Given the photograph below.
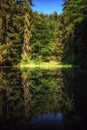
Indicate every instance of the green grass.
{"type": "Point", "coordinates": [46, 65]}
{"type": "Point", "coordinates": [42, 65]}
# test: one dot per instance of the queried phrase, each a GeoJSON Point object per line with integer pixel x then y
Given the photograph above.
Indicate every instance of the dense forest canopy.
{"type": "Point", "coordinates": [27, 36]}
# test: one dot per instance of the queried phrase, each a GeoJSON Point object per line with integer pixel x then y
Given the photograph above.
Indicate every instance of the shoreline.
{"type": "Point", "coordinates": [42, 65]}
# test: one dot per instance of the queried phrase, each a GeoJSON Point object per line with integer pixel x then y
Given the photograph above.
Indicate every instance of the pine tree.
{"type": "Point", "coordinates": [15, 30]}
{"type": "Point", "coordinates": [75, 22]}
{"type": "Point", "coordinates": [27, 30]}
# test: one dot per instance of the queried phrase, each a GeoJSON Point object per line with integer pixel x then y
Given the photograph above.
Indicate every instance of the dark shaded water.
{"type": "Point", "coordinates": [43, 99]}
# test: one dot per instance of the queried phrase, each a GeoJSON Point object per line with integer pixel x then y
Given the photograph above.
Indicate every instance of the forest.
{"type": "Point", "coordinates": [43, 66]}
{"type": "Point", "coordinates": [28, 36]}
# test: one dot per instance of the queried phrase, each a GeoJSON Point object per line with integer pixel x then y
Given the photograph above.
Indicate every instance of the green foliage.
{"type": "Point", "coordinates": [74, 32]}
{"type": "Point", "coordinates": [13, 25]}
{"type": "Point", "coordinates": [44, 35]}
{"type": "Point", "coordinates": [50, 37]}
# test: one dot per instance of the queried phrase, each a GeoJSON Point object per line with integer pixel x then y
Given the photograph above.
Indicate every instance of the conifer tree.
{"type": "Point", "coordinates": [15, 30]}
{"type": "Point", "coordinates": [74, 38]}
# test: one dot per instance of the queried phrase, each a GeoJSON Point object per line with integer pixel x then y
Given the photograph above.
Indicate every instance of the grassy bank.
{"type": "Point", "coordinates": [42, 65]}
{"type": "Point", "coordinates": [45, 65]}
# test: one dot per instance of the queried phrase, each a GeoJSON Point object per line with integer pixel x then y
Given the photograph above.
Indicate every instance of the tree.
{"type": "Point", "coordinates": [14, 24]}
{"type": "Point", "coordinates": [75, 22]}
{"type": "Point", "coordinates": [43, 38]}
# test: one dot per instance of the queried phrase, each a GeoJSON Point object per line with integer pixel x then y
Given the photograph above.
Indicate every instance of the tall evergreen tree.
{"type": "Point", "coordinates": [43, 44]}
{"type": "Point", "coordinates": [75, 22]}
{"type": "Point", "coordinates": [14, 24]}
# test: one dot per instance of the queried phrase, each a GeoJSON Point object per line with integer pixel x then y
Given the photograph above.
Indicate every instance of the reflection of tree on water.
{"type": "Point", "coordinates": [12, 100]}
{"type": "Point", "coordinates": [27, 95]}
{"type": "Point", "coordinates": [48, 93]}
{"type": "Point", "coordinates": [31, 93]}
{"type": "Point", "coordinates": [11, 93]}
{"type": "Point", "coordinates": [75, 81]}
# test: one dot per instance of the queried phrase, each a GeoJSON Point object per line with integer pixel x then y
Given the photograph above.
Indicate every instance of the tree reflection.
{"type": "Point", "coordinates": [75, 82]}
{"type": "Point", "coordinates": [11, 93]}
{"type": "Point", "coordinates": [28, 94]}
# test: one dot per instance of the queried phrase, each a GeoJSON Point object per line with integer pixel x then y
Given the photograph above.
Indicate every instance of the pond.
{"type": "Point", "coordinates": [36, 99]}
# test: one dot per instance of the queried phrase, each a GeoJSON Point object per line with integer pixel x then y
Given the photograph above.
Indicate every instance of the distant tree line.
{"type": "Point", "coordinates": [44, 42]}
{"type": "Point", "coordinates": [27, 36]}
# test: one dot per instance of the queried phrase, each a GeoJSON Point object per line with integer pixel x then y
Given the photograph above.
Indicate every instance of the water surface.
{"type": "Point", "coordinates": [43, 99]}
